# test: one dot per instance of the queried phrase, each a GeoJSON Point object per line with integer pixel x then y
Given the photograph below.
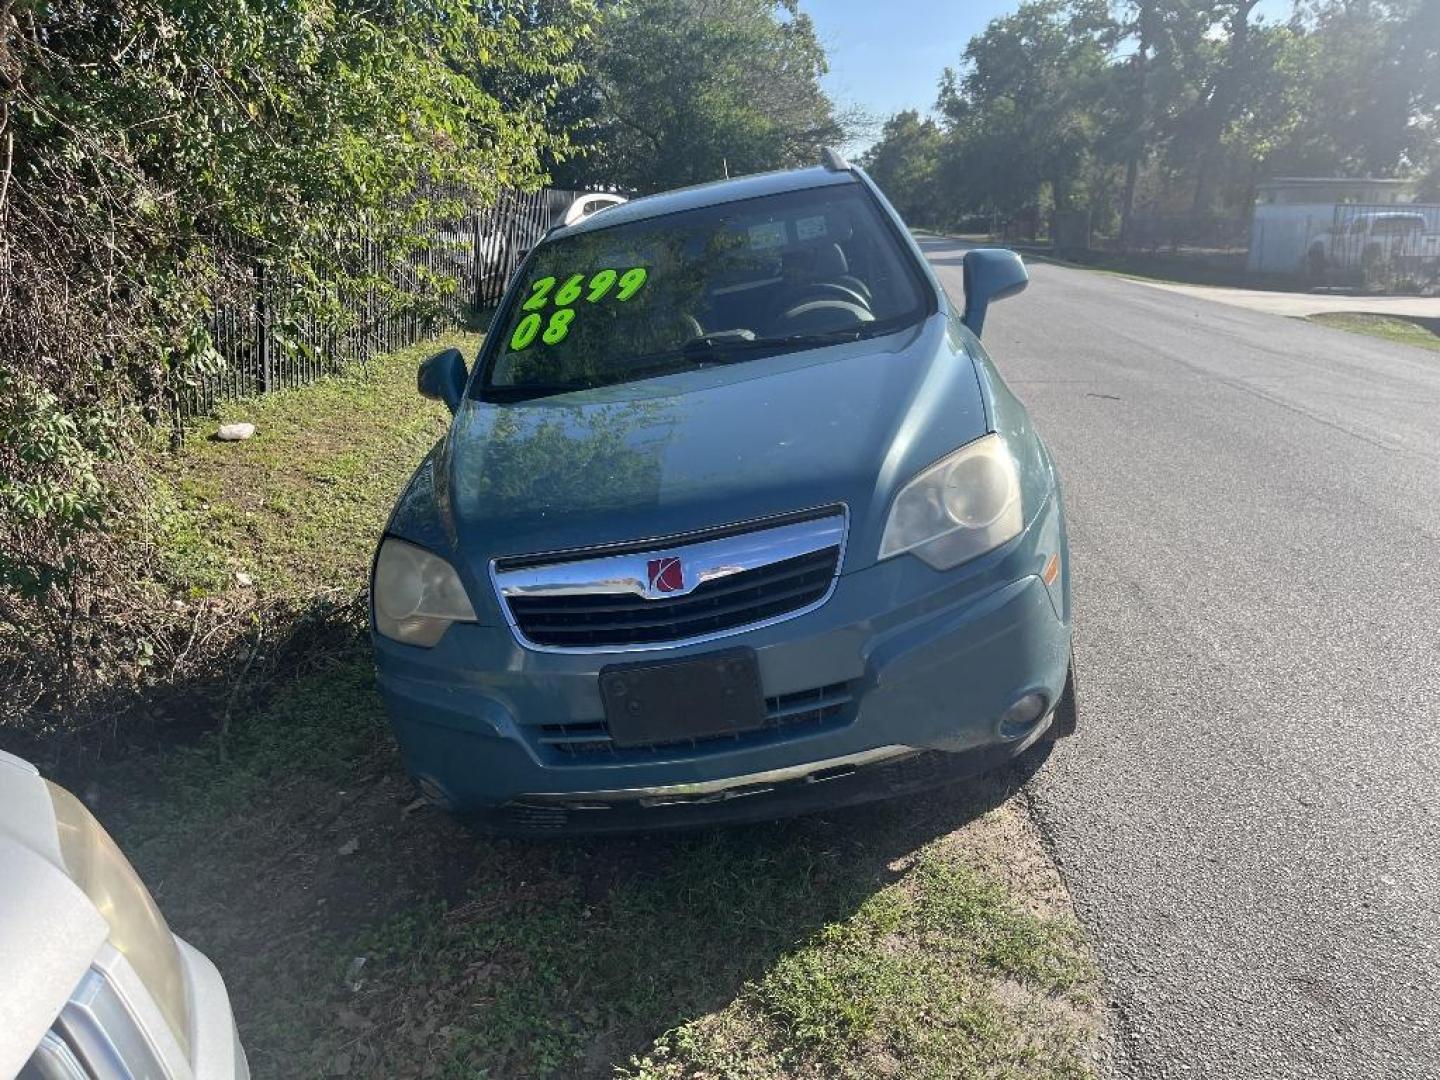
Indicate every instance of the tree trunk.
{"type": "Point", "coordinates": [1127, 199]}
{"type": "Point", "coordinates": [1227, 94]}
{"type": "Point", "coordinates": [1141, 63]}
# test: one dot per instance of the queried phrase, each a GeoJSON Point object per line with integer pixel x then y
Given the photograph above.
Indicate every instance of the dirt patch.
{"type": "Point", "coordinates": [361, 935]}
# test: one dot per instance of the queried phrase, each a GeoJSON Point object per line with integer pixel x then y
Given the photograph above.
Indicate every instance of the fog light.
{"type": "Point", "coordinates": [1021, 716]}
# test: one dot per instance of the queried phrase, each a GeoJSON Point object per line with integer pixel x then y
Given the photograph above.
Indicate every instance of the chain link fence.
{"type": "Point", "coordinates": [261, 348]}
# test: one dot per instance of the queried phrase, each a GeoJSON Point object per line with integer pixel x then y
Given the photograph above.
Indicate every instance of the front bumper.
{"type": "Point", "coordinates": [898, 682]}
{"type": "Point", "coordinates": [214, 1039]}
{"type": "Point", "coordinates": [827, 787]}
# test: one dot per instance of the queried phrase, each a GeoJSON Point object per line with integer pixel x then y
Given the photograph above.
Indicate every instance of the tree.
{"type": "Point", "coordinates": [1138, 120]}
{"type": "Point", "coordinates": [1021, 110]}
{"type": "Point", "coordinates": [1173, 107]}
{"type": "Point", "coordinates": [1223, 95]}
{"type": "Point", "coordinates": [905, 162]}
{"type": "Point", "coordinates": [1371, 90]}
{"type": "Point", "coordinates": [1235, 147]}
{"type": "Point", "coordinates": [153, 153]}
{"type": "Point", "coordinates": [684, 91]}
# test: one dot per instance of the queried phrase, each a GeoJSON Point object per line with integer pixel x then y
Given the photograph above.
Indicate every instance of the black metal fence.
{"type": "Point", "coordinates": [1184, 233]}
{"type": "Point", "coordinates": [262, 348]}
{"type": "Point", "coordinates": [1148, 233]}
{"type": "Point", "coordinates": [503, 234]}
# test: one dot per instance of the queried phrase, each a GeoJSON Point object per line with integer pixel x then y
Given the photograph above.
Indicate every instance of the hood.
{"type": "Point", "coordinates": [842, 424]}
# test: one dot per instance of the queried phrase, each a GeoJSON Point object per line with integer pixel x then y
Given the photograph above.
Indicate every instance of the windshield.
{"type": "Point", "coordinates": [1397, 225]}
{"type": "Point", "coordinates": [720, 284]}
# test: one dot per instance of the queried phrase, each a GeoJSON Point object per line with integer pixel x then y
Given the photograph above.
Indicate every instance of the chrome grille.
{"type": "Point", "coordinates": [785, 715]}
{"type": "Point", "coordinates": [728, 580]}
{"type": "Point", "coordinates": [738, 600]}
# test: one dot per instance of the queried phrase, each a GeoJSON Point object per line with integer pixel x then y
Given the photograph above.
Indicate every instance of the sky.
{"type": "Point", "coordinates": [887, 55]}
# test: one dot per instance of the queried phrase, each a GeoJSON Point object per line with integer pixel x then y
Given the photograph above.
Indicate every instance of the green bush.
{"type": "Point", "coordinates": [153, 153]}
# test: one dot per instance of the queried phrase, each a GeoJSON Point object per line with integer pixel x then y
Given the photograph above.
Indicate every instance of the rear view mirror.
{"type": "Point", "coordinates": [990, 274]}
{"type": "Point", "coordinates": [442, 378]}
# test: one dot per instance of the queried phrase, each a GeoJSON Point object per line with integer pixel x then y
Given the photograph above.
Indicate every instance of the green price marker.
{"type": "Point", "coordinates": [539, 293]}
{"type": "Point", "coordinates": [631, 282]}
{"type": "Point", "coordinates": [557, 328]}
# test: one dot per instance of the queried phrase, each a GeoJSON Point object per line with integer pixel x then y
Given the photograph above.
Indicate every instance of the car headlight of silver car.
{"type": "Point", "coordinates": [964, 505]}
{"type": "Point", "coordinates": [417, 594]}
{"type": "Point", "coordinates": [137, 929]}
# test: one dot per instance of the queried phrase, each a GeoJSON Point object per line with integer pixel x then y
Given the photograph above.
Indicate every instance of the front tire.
{"type": "Point", "coordinates": [1066, 714]}
{"type": "Point", "coordinates": [1375, 272]}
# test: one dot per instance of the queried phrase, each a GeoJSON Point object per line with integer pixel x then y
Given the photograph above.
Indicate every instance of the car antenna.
{"type": "Point", "coordinates": [833, 161]}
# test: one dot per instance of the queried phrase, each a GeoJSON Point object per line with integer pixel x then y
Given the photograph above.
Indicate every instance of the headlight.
{"type": "Point", "coordinates": [417, 595]}
{"type": "Point", "coordinates": [964, 505]}
{"type": "Point", "coordinates": [137, 929]}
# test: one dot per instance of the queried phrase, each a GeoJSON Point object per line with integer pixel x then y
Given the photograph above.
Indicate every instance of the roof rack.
{"type": "Point", "coordinates": [833, 161]}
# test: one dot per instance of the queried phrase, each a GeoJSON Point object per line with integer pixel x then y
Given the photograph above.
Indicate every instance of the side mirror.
{"type": "Point", "coordinates": [990, 274]}
{"type": "Point", "coordinates": [442, 378]}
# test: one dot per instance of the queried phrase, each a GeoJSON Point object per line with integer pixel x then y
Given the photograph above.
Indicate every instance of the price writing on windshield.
{"type": "Point", "coordinates": [614, 284]}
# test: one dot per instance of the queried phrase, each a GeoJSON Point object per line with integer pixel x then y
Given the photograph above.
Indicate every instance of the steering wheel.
{"type": "Point", "coordinates": [827, 290]}
{"type": "Point", "coordinates": [690, 325]}
{"type": "Point", "coordinates": [850, 281]}
{"type": "Point", "coordinates": [820, 315]}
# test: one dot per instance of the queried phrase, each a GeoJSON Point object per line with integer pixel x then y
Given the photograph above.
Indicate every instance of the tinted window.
{"type": "Point", "coordinates": [720, 284]}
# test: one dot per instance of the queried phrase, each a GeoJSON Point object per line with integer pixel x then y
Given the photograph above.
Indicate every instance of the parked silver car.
{"type": "Point", "coordinates": [93, 985]}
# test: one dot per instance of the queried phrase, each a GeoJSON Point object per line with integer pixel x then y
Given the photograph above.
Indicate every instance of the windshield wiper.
{"type": "Point", "coordinates": [722, 346]}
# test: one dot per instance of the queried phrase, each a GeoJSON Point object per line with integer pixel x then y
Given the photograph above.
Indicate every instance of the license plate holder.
{"type": "Point", "coordinates": [673, 701]}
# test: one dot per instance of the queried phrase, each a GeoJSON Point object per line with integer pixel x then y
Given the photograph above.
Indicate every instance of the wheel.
{"type": "Point", "coordinates": [1374, 270]}
{"type": "Point", "coordinates": [1404, 275]}
{"type": "Point", "coordinates": [1066, 713]}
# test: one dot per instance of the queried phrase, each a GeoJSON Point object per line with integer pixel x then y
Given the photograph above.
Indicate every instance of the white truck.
{"type": "Point", "coordinates": [1377, 248]}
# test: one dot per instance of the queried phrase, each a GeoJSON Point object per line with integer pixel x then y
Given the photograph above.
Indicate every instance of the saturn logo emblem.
{"type": "Point", "coordinates": [666, 575]}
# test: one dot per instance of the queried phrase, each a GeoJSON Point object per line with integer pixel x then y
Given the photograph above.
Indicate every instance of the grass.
{"type": "Point", "coordinates": [362, 934]}
{"type": "Point", "coordinates": [937, 975]}
{"type": "Point", "coordinates": [301, 504]}
{"type": "Point", "coordinates": [1217, 270]}
{"type": "Point", "coordinates": [1424, 333]}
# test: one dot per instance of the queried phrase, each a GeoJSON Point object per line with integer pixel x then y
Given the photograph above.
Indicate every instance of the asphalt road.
{"type": "Point", "coordinates": [1249, 819]}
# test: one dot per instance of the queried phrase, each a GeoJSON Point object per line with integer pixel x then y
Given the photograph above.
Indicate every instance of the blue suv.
{"type": "Point", "coordinates": [735, 519]}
